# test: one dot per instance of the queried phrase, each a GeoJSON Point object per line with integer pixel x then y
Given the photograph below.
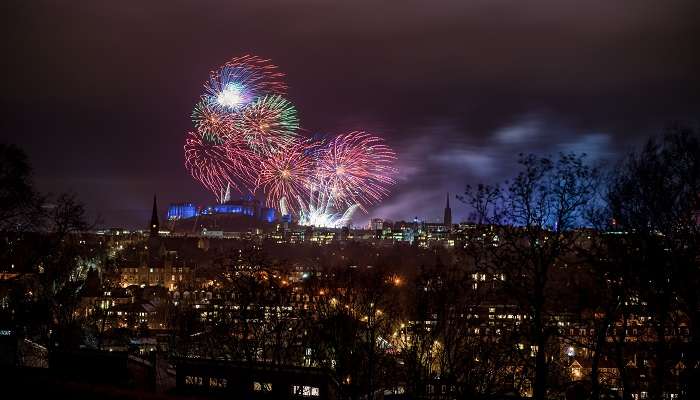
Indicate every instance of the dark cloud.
{"type": "Point", "coordinates": [100, 93]}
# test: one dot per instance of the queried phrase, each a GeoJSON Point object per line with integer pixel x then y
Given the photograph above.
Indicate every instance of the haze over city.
{"type": "Point", "coordinates": [100, 95]}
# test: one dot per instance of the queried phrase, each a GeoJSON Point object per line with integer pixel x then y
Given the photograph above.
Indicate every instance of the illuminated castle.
{"type": "Point", "coordinates": [247, 206]}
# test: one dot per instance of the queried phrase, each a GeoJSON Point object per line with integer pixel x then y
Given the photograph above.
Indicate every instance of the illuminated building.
{"type": "Point", "coordinates": [376, 224]}
{"type": "Point", "coordinates": [254, 380]}
{"type": "Point", "coordinates": [182, 211]}
{"type": "Point", "coordinates": [245, 206]}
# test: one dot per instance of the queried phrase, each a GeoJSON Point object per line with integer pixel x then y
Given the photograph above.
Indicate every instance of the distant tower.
{"type": "Point", "coordinates": [447, 220]}
{"type": "Point", "coordinates": [155, 225]}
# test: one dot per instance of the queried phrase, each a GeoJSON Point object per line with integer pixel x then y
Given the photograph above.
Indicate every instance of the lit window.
{"type": "Point", "coordinates": [262, 386]}
{"type": "Point", "coordinates": [306, 391]}
{"type": "Point", "coordinates": [194, 380]}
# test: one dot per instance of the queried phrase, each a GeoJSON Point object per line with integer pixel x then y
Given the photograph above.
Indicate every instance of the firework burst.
{"type": "Point", "coordinates": [241, 80]}
{"type": "Point", "coordinates": [357, 168]}
{"type": "Point", "coordinates": [320, 210]}
{"type": "Point", "coordinates": [285, 175]}
{"type": "Point", "coordinates": [268, 125]}
{"type": "Point", "coordinates": [210, 120]}
{"type": "Point", "coordinates": [246, 162]}
{"type": "Point", "coordinates": [247, 138]}
{"type": "Point", "coordinates": [210, 163]}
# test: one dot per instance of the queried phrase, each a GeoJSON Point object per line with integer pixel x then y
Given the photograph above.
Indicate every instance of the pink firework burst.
{"type": "Point", "coordinates": [211, 163]}
{"type": "Point", "coordinates": [357, 168]}
{"type": "Point", "coordinates": [246, 162]}
{"type": "Point", "coordinates": [286, 175]}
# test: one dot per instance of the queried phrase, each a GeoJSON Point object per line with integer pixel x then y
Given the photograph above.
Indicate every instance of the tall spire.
{"type": "Point", "coordinates": [155, 224]}
{"type": "Point", "coordinates": [447, 220]}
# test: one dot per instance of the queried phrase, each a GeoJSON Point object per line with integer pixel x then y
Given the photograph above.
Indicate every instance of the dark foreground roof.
{"type": "Point", "coordinates": [30, 383]}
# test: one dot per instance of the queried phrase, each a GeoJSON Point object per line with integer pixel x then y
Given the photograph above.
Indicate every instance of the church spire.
{"type": "Point", "coordinates": [155, 224]}
{"type": "Point", "coordinates": [447, 220]}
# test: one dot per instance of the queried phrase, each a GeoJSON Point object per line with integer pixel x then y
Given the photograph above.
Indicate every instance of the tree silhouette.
{"type": "Point", "coordinates": [536, 216]}
{"type": "Point", "coordinates": [653, 198]}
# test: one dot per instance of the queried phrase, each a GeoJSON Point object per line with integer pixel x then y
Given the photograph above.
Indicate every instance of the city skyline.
{"type": "Point", "coordinates": [325, 200]}
{"type": "Point", "coordinates": [487, 81]}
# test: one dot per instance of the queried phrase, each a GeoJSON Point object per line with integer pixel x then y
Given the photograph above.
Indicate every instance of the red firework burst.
{"type": "Point", "coordinates": [269, 79]}
{"type": "Point", "coordinates": [357, 168]}
{"type": "Point", "coordinates": [286, 174]}
{"type": "Point", "coordinates": [212, 164]}
{"type": "Point", "coordinates": [245, 161]}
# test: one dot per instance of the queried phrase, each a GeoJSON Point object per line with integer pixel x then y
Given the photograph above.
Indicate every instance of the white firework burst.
{"type": "Point", "coordinates": [321, 211]}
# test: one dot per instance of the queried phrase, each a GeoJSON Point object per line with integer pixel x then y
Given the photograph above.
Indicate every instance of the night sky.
{"type": "Point", "coordinates": [100, 93]}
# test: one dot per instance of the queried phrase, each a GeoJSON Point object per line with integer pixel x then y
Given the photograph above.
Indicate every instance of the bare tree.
{"type": "Point", "coordinates": [537, 216]}
{"type": "Point", "coordinates": [654, 200]}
